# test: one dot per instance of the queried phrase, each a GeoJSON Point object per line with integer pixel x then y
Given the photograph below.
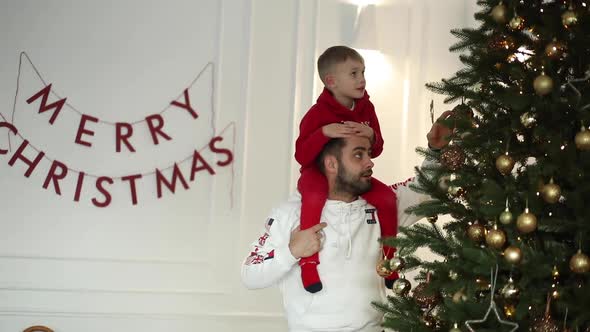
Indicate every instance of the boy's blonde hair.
{"type": "Point", "coordinates": [335, 55]}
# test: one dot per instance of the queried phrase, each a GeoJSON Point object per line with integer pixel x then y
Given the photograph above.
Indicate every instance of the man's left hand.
{"type": "Point", "coordinates": [438, 136]}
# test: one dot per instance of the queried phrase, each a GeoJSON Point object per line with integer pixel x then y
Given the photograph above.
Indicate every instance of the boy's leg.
{"type": "Point", "coordinates": [313, 187]}
{"type": "Point", "coordinates": [384, 199]}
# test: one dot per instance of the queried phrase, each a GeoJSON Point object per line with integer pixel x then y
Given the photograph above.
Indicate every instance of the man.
{"type": "Point", "coordinates": [347, 241]}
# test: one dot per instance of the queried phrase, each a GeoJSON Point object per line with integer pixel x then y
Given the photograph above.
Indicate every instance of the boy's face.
{"type": "Point", "coordinates": [347, 82]}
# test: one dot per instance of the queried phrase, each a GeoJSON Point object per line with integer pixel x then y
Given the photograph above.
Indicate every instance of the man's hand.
{"type": "Point", "coordinates": [308, 242]}
{"type": "Point", "coordinates": [361, 130]}
{"type": "Point", "coordinates": [438, 136]}
{"type": "Point", "coordinates": [334, 130]}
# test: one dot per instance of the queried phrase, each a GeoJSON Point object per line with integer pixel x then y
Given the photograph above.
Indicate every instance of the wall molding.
{"type": "Point", "coordinates": [105, 260]}
{"type": "Point", "coordinates": [209, 315]}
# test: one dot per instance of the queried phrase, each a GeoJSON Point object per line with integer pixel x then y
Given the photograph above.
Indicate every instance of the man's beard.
{"type": "Point", "coordinates": [352, 184]}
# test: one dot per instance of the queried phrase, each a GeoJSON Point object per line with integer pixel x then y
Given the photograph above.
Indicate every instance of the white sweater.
{"type": "Point", "coordinates": [350, 252]}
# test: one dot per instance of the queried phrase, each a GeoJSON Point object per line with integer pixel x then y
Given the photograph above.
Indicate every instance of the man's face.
{"type": "Point", "coordinates": [355, 167]}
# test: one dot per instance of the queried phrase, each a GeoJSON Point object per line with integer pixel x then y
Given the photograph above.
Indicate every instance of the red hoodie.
{"type": "Point", "coordinates": [328, 110]}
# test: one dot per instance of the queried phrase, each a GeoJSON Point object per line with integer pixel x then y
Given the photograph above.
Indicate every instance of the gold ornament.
{"type": "Point", "coordinates": [476, 232]}
{"type": "Point", "coordinates": [513, 255]}
{"type": "Point", "coordinates": [510, 291]}
{"type": "Point", "coordinates": [583, 139]}
{"type": "Point", "coordinates": [551, 192]}
{"type": "Point", "coordinates": [452, 157]}
{"type": "Point", "coordinates": [383, 269]}
{"type": "Point", "coordinates": [528, 119]}
{"type": "Point", "coordinates": [543, 84]}
{"type": "Point", "coordinates": [396, 263]}
{"type": "Point", "coordinates": [526, 222]}
{"type": "Point", "coordinates": [459, 296]}
{"type": "Point", "coordinates": [506, 217]}
{"type": "Point", "coordinates": [569, 18]}
{"type": "Point", "coordinates": [498, 13]}
{"type": "Point", "coordinates": [555, 49]}
{"type": "Point", "coordinates": [509, 310]}
{"type": "Point", "coordinates": [496, 238]}
{"type": "Point", "coordinates": [505, 163]}
{"type": "Point", "coordinates": [516, 23]}
{"type": "Point", "coordinates": [580, 263]}
{"type": "Point", "coordinates": [401, 287]}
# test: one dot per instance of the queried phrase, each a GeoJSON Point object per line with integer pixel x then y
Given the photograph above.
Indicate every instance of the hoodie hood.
{"type": "Point", "coordinates": [329, 102]}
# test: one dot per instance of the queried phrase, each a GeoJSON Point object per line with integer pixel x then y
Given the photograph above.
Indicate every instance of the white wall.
{"type": "Point", "coordinates": [68, 266]}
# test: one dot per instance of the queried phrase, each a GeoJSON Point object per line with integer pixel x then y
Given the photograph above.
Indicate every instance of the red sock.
{"type": "Point", "coordinates": [388, 229]}
{"type": "Point", "coordinates": [309, 273]}
{"type": "Point", "coordinates": [384, 199]}
{"type": "Point", "coordinates": [313, 187]}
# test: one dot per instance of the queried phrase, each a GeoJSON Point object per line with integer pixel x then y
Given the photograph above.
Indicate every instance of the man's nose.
{"type": "Point", "coordinates": [370, 164]}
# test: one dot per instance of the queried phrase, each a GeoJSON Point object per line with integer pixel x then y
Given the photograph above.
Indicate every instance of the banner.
{"type": "Point", "coordinates": [35, 97]}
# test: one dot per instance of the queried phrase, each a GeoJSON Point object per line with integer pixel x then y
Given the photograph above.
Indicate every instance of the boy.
{"type": "Point", "coordinates": [342, 110]}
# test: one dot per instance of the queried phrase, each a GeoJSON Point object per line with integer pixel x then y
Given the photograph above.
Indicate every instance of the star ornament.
{"type": "Point", "coordinates": [493, 309]}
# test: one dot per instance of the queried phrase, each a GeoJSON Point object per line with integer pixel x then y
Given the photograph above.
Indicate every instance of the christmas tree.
{"type": "Point", "coordinates": [514, 181]}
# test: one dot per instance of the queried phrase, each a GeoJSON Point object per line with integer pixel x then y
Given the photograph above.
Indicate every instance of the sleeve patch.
{"type": "Point", "coordinates": [268, 224]}
{"type": "Point", "coordinates": [262, 239]}
{"type": "Point", "coordinates": [270, 255]}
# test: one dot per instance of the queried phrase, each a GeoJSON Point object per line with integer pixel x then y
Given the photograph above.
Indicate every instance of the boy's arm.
{"type": "Point", "coordinates": [270, 257]}
{"type": "Point", "coordinates": [311, 140]}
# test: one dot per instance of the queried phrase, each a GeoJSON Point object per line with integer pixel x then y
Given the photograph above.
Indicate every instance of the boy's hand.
{"type": "Point", "coordinates": [438, 136]}
{"type": "Point", "coordinates": [361, 130]}
{"type": "Point", "coordinates": [335, 130]}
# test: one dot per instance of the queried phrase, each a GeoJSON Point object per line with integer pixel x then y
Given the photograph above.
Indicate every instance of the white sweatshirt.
{"type": "Point", "coordinates": [348, 258]}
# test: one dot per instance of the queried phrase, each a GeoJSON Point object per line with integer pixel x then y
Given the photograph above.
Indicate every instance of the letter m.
{"type": "Point", "coordinates": [176, 174]}
{"type": "Point", "coordinates": [56, 106]}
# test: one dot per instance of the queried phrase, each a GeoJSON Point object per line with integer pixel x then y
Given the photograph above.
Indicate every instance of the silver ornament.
{"type": "Point", "coordinates": [396, 263]}
{"type": "Point", "coordinates": [401, 287]}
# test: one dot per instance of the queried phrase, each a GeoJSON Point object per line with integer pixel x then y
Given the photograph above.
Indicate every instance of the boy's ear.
{"type": "Point", "coordinates": [329, 80]}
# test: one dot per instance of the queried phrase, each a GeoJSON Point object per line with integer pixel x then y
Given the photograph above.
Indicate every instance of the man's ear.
{"type": "Point", "coordinates": [331, 164]}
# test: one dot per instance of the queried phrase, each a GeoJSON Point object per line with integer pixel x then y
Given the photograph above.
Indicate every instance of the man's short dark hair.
{"type": "Point", "coordinates": [335, 55]}
{"type": "Point", "coordinates": [332, 148]}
